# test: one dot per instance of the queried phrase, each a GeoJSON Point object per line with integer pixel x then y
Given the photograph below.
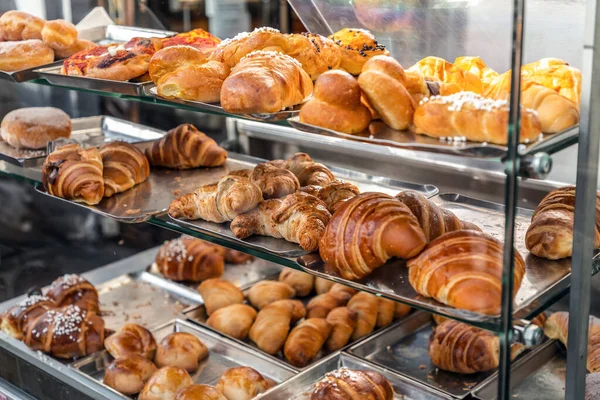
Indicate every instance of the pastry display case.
{"type": "Point", "coordinates": [381, 219]}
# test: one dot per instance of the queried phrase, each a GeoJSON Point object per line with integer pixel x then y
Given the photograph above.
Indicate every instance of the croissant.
{"type": "Point", "coordinates": [165, 384]}
{"type": "Point", "coordinates": [298, 218]}
{"type": "Point", "coordinates": [305, 341]}
{"type": "Point", "coordinates": [557, 327]}
{"type": "Point", "coordinates": [272, 325]}
{"type": "Point", "coordinates": [15, 322]}
{"type": "Point", "coordinates": [242, 383]}
{"type": "Point", "coordinates": [131, 339]}
{"type": "Point", "coordinates": [557, 75]}
{"type": "Point", "coordinates": [366, 306]}
{"type": "Point", "coordinates": [550, 234]}
{"type": "Point", "coordinates": [320, 305]}
{"type": "Point", "coordinates": [186, 147]}
{"type": "Point", "coordinates": [308, 171]}
{"type": "Point", "coordinates": [401, 310]}
{"type": "Point", "coordinates": [346, 383]}
{"type": "Point", "coordinates": [74, 174]}
{"type": "Point", "coordinates": [366, 231]}
{"type": "Point", "coordinates": [463, 269]}
{"type": "Point", "coordinates": [316, 53]}
{"type": "Point", "coordinates": [339, 288]}
{"type": "Point", "coordinates": [274, 182]}
{"type": "Point", "coordinates": [322, 285]}
{"type": "Point", "coordinates": [231, 51]}
{"type": "Point", "coordinates": [182, 350]}
{"type": "Point", "coordinates": [300, 281]}
{"type": "Point", "coordinates": [267, 292]}
{"type": "Point", "coordinates": [190, 259]}
{"type": "Point", "coordinates": [234, 320]}
{"type": "Point", "coordinates": [76, 290]}
{"type": "Point", "coordinates": [477, 67]}
{"type": "Point", "coordinates": [265, 82]}
{"type": "Point", "coordinates": [335, 193]}
{"type": "Point", "coordinates": [386, 311]}
{"type": "Point", "coordinates": [218, 202]}
{"type": "Point", "coordinates": [434, 220]}
{"type": "Point", "coordinates": [69, 332]}
{"type": "Point", "coordinates": [469, 115]}
{"type": "Point", "coordinates": [237, 257]}
{"type": "Point", "coordinates": [124, 166]}
{"type": "Point", "coordinates": [218, 293]}
{"type": "Point", "coordinates": [343, 321]}
{"type": "Point", "coordinates": [462, 348]}
{"type": "Point", "coordinates": [452, 78]}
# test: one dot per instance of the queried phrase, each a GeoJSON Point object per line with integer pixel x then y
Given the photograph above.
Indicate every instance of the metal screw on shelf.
{"type": "Point", "coordinates": [536, 166]}
{"type": "Point", "coordinates": [526, 333]}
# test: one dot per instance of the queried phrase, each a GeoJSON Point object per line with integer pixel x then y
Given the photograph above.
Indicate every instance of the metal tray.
{"type": "Point", "coordinates": [280, 247]}
{"type": "Point", "coordinates": [543, 280]}
{"type": "Point", "coordinates": [301, 386]}
{"type": "Point", "coordinates": [223, 354]}
{"type": "Point", "coordinates": [144, 299]}
{"type": "Point", "coordinates": [540, 374]}
{"type": "Point", "coordinates": [215, 107]}
{"type": "Point", "coordinates": [104, 35]}
{"type": "Point", "coordinates": [379, 133]}
{"type": "Point", "coordinates": [88, 132]}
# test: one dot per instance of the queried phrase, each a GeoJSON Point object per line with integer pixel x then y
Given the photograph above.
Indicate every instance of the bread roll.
{"type": "Point", "coordinates": [300, 281]}
{"type": "Point", "coordinates": [180, 349]}
{"type": "Point", "coordinates": [383, 82]}
{"type": "Point", "coordinates": [242, 383]}
{"type": "Point", "coordinates": [200, 392]}
{"type": "Point", "coordinates": [231, 51]}
{"type": "Point", "coordinates": [385, 312]}
{"type": "Point", "coordinates": [272, 325]}
{"type": "Point", "coordinates": [358, 46]}
{"type": "Point", "coordinates": [19, 25]}
{"type": "Point", "coordinates": [366, 306]}
{"type": "Point", "coordinates": [305, 341]}
{"type": "Point", "coordinates": [266, 292]}
{"type": "Point", "coordinates": [59, 34]}
{"type": "Point", "coordinates": [169, 59]}
{"type": "Point", "coordinates": [321, 305]}
{"type": "Point", "coordinates": [343, 321]}
{"type": "Point", "coordinates": [218, 293]}
{"type": "Point", "coordinates": [131, 339]}
{"type": "Point", "coordinates": [129, 374]}
{"type": "Point", "coordinates": [234, 320]}
{"type": "Point", "coordinates": [197, 83]}
{"type": "Point", "coordinates": [15, 56]}
{"type": "Point", "coordinates": [165, 383]}
{"type": "Point", "coordinates": [322, 285]}
{"type": "Point", "coordinates": [336, 104]}
{"type": "Point", "coordinates": [34, 127]}
{"type": "Point", "coordinates": [316, 53]}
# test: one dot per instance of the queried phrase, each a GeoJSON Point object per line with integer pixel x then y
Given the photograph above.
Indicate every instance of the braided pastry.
{"type": "Point", "coordinates": [74, 174]}
{"type": "Point", "coordinates": [368, 230]}
{"type": "Point", "coordinates": [346, 383]}
{"type": "Point", "coordinates": [69, 332]}
{"type": "Point", "coordinates": [219, 202]}
{"type": "Point", "coordinates": [463, 269]}
{"type": "Point", "coordinates": [298, 218]}
{"type": "Point", "coordinates": [550, 234]}
{"type": "Point", "coordinates": [186, 147]}
{"type": "Point", "coordinates": [190, 259]}
{"type": "Point", "coordinates": [458, 347]}
{"type": "Point", "coordinates": [434, 220]}
{"type": "Point", "coordinates": [15, 322]}
{"type": "Point", "coordinates": [124, 166]}
{"type": "Point", "coordinates": [72, 289]}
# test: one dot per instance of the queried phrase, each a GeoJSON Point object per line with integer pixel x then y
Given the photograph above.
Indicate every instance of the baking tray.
{"type": "Point", "coordinates": [281, 247]}
{"type": "Point", "coordinates": [88, 132]}
{"type": "Point", "coordinates": [241, 275]}
{"type": "Point", "coordinates": [301, 386]}
{"type": "Point", "coordinates": [540, 374]}
{"type": "Point", "coordinates": [543, 280]}
{"type": "Point", "coordinates": [223, 354]}
{"type": "Point", "coordinates": [379, 133]}
{"type": "Point", "coordinates": [143, 298]}
{"type": "Point", "coordinates": [216, 107]}
{"type": "Point", "coordinates": [104, 35]}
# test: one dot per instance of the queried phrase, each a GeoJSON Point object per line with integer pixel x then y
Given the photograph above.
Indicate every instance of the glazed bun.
{"type": "Point", "coordinates": [19, 25]}
{"type": "Point", "coordinates": [15, 56]}
{"type": "Point", "coordinates": [34, 127]}
{"type": "Point", "coordinates": [129, 374]}
{"type": "Point", "coordinates": [200, 392]}
{"type": "Point", "coordinates": [59, 34]}
{"type": "Point", "coordinates": [165, 384]}
{"type": "Point", "coordinates": [180, 349]}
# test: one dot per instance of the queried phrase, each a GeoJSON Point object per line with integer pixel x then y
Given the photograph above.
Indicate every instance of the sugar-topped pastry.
{"type": "Point", "coordinates": [190, 259]}
{"type": "Point", "coordinates": [74, 289]}
{"type": "Point", "coordinates": [17, 319]}
{"type": "Point", "coordinates": [347, 383]}
{"type": "Point", "coordinates": [476, 118]}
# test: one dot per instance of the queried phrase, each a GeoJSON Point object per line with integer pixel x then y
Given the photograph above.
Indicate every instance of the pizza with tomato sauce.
{"type": "Point", "coordinates": [197, 38]}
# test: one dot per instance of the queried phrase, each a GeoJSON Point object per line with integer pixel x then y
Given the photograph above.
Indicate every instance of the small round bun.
{"type": "Point", "coordinates": [59, 34]}
{"type": "Point", "coordinates": [165, 383]}
{"type": "Point", "coordinates": [180, 349]}
{"type": "Point", "coordinates": [200, 392]}
{"type": "Point", "coordinates": [34, 127]}
{"type": "Point", "coordinates": [78, 45]}
{"type": "Point", "coordinates": [242, 383]}
{"type": "Point", "coordinates": [129, 374]}
{"type": "Point", "coordinates": [131, 339]}
{"type": "Point", "coordinates": [358, 45]}
{"type": "Point", "coordinates": [19, 25]}
{"type": "Point", "coordinates": [15, 56]}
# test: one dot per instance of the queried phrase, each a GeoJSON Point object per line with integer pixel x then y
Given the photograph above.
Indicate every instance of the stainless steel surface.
{"type": "Point", "coordinates": [25, 75]}
{"type": "Point", "coordinates": [585, 201]}
{"type": "Point", "coordinates": [200, 106]}
{"type": "Point", "coordinates": [539, 374]}
{"type": "Point", "coordinates": [88, 132]}
{"type": "Point", "coordinates": [301, 386]}
{"type": "Point", "coordinates": [223, 354]}
{"type": "Point", "coordinates": [381, 134]}
{"type": "Point", "coordinates": [143, 298]}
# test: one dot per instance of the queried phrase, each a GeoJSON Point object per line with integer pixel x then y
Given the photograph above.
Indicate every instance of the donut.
{"type": "Point", "coordinates": [59, 34]}
{"type": "Point", "coordinates": [15, 56]}
{"type": "Point", "coordinates": [19, 25]}
{"type": "Point", "coordinates": [34, 127]}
